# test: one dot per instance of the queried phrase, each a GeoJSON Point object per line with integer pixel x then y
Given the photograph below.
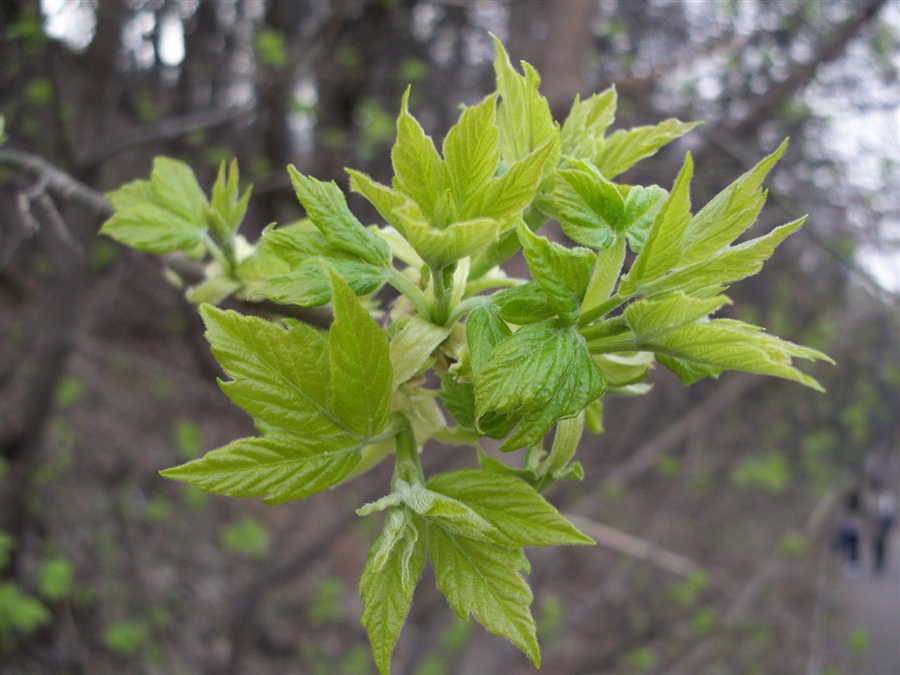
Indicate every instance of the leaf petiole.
{"type": "Point", "coordinates": [613, 343]}
{"type": "Point", "coordinates": [615, 326]}
{"type": "Point", "coordinates": [483, 284]}
{"type": "Point", "coordinates": [415, 294]}
{"type": "Point", "coordinates": [408, 467]}
{"type": "Point", "coordinates": [601, 310]}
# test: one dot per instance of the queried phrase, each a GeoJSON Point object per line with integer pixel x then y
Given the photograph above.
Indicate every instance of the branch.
{"type": "Point", "coordinates": [634, 546]}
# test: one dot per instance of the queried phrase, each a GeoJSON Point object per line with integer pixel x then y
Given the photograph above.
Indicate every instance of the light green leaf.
{"type": "Point", "coordinates": [383, 198]}
{"type": "Point", "coordinates": [506, 196]}
{"type": "Point", "coordinates": [389, 578]}
{"type": "Point", "coordinates": [327, 209]}
{"type": "Point", "coordinates": [295, 245]}
{"type": "Point", "coordinates": [543, 370]}
{"type": "Point", "coordinates": [227, 202]}
{"type": "Point", "coordinates": [522, 517]}
{"type": "Point", "coordinates": [687, 371]}
{"type": "Point", "coordinates": [729, 213]}
{"type": "Point", "coordinates": [419, 171]}
{"type": "Point", "coordinates": [642, 205]}
{"type": "Point", "coordinates": [440, 248]}
{"type": "Point", "coordinates": [662, 251]}
{"type": "Point", "coordinates": [307, 283]}
{"type": "Point", "coordinates": [606, 272]}
{"type": "Point", "coordinates": [523, 118]}
{"type": "Point", "coordinates": [591, 209]}
{"type": "Point", "coordinates": [279, 466]}
{"type": "Point", "coordinates": [483, 579]}
{"type": "Point", "coordinates": [735, 262]}
{"type": "Point", "coordinates": [213, 290]}
{"type": "Point", "coordinates": [523, 304]}
{"type": "Point", "coordinates": [472, 150]}
{"type": "Point", "coordinates": [361, 371]}
{"type": "Point", "coordinates": [563, 273]}
{"type": "Point", "coordinates": [624, 149]}
{"type": "Point", "coordinates": [484, 331]}
{"type": "Point", "coordinates": [651, 318]}
{"type": "Point", "coordinates": [161, 215]}
{"type": "Point", "coordinates": [623, 369]}
{"type": "Point", "coordinates": [413, 345]}
{"type": "Point", "coordinates": [582, 132]}
{"type": "Point", "coordinates": [459, 399]}
{"type": "Point", "coordinates": [262, 263]}
{"type": "Point", "coordinates": [732, 345]}
{"type": "Point", "coordinates": [279, 374]}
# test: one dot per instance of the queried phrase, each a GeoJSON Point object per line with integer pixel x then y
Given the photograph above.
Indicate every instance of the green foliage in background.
{"type": "Point", "coordinates": [515, 357]}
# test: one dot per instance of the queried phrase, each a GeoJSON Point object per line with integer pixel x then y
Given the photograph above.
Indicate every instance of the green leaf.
{"type": "Point", "coordinates": [624, 149]}
{"type": "Point", "coordinates": [545, 371]}
{"type": "Point", "coordinates": [327, 209]}
{"type": "Point", "coordinates": [582, 132]}
{"type": "Point", "coordinates": [735, 262]}
{"type": "Point", "coordinates": [662, 251]}
{"type": "Point", "coordinates": [522, 517]}
{"type": "Point", "coordinates": [56, 575]}
{"type": "Point", "coordinates": [523, 304]}
{"type": "Point", "coordinates": [307, 283]}
{"type": "Point", "coordinates": [412, 347]}
{"type": "Point", "coordinates": [484, 331]}
{"type": "Point", "coordinates": [563, 273]}
{"type": "Point", "coordinates": [728, 214]}
{"type": "Point", "coordinates": [732, 345]}
{"type": "Point", "coordinates": [19, 611]}
{"type": "Point", "coordinates": [392, 570]}
{"type": "Point", "coordinates": [419, 171]}
{"type": "Point", "coordinates": [279, 374]}
{"type": "Point", "coordinates": [606, 272]}
{"type": "Point", "coordinates": [624, 368]}
{"type": "Point", "coordinates": [508, 195]}
{"type": "Point", "coordinates": [361, 371]}
{"type": "Point", "coordinates": [262, 263]}
{"type": "Point", "coordinates": [383, 198]}
{"type": "Point", "coordinates": [161, 215]}
{"type": "Point", "coordinates": [483, 579]}
{"type": "Point", "coordinates": [688, 371]}
{"type": "Point", "coordinates": [279, 466]}
{"type": "Point", "coordinates": [472, 150]}
{"type": "Point", "coordinates": [523, 118]}
{"type": "Point", "coordinates": [440, 248]}
{"type": "Point", "coordinates": [459, 399]}
{"type": "Point", "coordinates": [591, 209]}
{"type": "Point", "coordinates": [651, 318]}
{"type": "Point", "coordinates": [642, 205]}
{"type": "Point", "coordinates": [227, 202]}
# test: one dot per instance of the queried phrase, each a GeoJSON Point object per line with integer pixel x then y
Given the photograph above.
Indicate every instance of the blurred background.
{"type": "Point", "coordinates": [717, 506]}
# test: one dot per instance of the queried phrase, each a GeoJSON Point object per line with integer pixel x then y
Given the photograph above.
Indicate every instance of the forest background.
{"type": "Point", "coordinates": [714, 505]}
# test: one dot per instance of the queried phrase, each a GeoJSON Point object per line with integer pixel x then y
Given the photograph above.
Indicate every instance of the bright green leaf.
{"type": "Point", "coordinates": [582, 132]}
{"type": "Point", "coordinates": [472, 150]}
{"type": "Point", "coordinates": [624, 149]}
{"type": "Point", "coordinates": [419, 171]}
{"type": "Point", "coordinates": [523, 304]}
{"type": "Point", "coordinates": [605, 275]}
{"type": "Point", "coordinates": [651, 318]}
{"type": "Point", "coordinates": [413, 345]}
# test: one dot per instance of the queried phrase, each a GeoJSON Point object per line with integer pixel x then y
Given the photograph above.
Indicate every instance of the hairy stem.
{"type": "Point", "coordinates": [443, 289]}
{"type": "Point", "coordinates": [408, 467]}
{"type": "Point", "coordinates": [601, 310]}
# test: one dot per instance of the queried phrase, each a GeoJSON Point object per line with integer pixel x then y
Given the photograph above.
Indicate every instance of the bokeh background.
{"type": "Point", "coordinates": [720, 501]}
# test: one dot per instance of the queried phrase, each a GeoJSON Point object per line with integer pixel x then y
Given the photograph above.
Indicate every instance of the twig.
{"type": "Point", "coordinates": [635, 546]}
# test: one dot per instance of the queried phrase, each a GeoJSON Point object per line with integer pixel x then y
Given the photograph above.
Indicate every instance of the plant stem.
{"type": "Point", "coordinates": [219, 256]}
{"type": "Point", "coordinates": [415, 294]}
{"type": "Point", "coordinates": [467, 306]}
{"type": "Point", "coordinates": [479, 285]}
{"type": "Point", "coordinates": [600, 310]}
{"type": "Point", "coordinates": [613, 343]}
{"type": "Point", "coordinates": [615, 326]}
{"type": "Point", "coordinates": [408, 467]}
{"type": "Point", "coordinates": [443, 288]}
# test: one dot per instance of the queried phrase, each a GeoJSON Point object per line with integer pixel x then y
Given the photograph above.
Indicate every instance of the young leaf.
{"type": "Point", "coordinates": [413, 345]}
{"type": "Point", "coordinates": [606, 272]}
{"type": "Point", "coordinates": [279, 466]}
{"type": "Point", "coordinates": [729, 213]}
{"type": "Point", "coordinates": [361, 371]}
{"type": "Point", "coordinates": [563, 273]}
{"type": "Point", "coordinates": [307, 284]}
{"type": "Point", "coordinates": [389, 578]}
{"type": "Point", "coordinates": [522, 517]}
{"type": "Point", "coordinates": [161, 215]}
{"type": "Point", "coordinates": [227, 203]}
{"type": "Point", "coordinates": [582, 132]}
{"type": "Point", "coordinates": [483, 579]}
{"type": "Point", "coordinates": [523, 304]}
{"type": "Point", "coordinates": [472, 150]}
{"type": "Point", "coordinates": [642, 205]}
{"type": "Point", "coordinates": [279, 375]}
{"type": "Point", "coordinates": [591, 209]}
{"type": "Point", "coordinates": [687, 371]}
{"type": "Point", "coordinates": [383, 198]}
{"type": "Point", "coordinates": [484, 331]}
{"type": "Point", "coordinates": [419, 171]}
{"type": "Point", "coordinates": [459, 399]}
{"type": "Point", "coordinates": [662, 251]}
{"type": "Point", "coordinates": [624, 149]}
{"type": "Point", "coordinates": [523, 118]}
{"type": "Point", "coordinates": [327, 209]}
{"type": "Point", "coordinates": [651, 318]}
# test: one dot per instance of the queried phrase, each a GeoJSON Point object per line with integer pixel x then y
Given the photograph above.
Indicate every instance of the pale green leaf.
{"type": "Point", "coordinates": [624, 149]}
{"type": "Point", "coordinates": [662, 251]}
{"type": "Point", "coordinates": [279, 466]}
{"type": "Point", "coordinates": [419, 171]}
{"type": "Point", "coordinates": [523, 117]}
{"type": "Point", "coordinates": [651, 318]}
{"type": "Point", "coordinates": [522, 517]}
{"type": "Point", "coordinates": [383, 198]}
{"type": "Point", "coordinates": [642, 205]}
{"type": "Point", "coordinates": [440, 248]}
{"type": "Point", "coordinates": [591, 209]}
{"type": "Point", "coordinates": [472, 150]}
{"type": "Point", "coordinates": [563, 273]}
{"type": "Point", "coordinates": [483, 579]}
{"type": "Point", "coordinates": [413, 345]}
{"type": "Point", "coordinates": [606, 272]}
{"type": "Point", "coordinates": [484, 331]}
{"type": "Point", "coordinates": [227, 202]}
{"type": "Point", "coordinates": [307, 283]}
{"type": "Point", "coordinates": [728, 214]}
{"type": "Point", "coordinates": [582, 132]}
{"type": "Point", "coordinates": [624, 368]}
{"type": "Point", "coordinates": [361, 371]}
{"type": "Point", "coordinates": [392, 571]}
{"type": "Point", "coordinates": [279, 374]}
{"type": "Point", "coordinates": [523, 304]}
{"type": "Point", "coordinates": [687, 371]}
{"type": "Point", "coordinates": [327, 209]}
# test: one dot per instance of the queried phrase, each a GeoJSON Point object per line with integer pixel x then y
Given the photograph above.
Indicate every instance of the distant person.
{"type": "Point", "coordinates": [850, 533]}
{"type": "Point", "coordinates": [887, 513]}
